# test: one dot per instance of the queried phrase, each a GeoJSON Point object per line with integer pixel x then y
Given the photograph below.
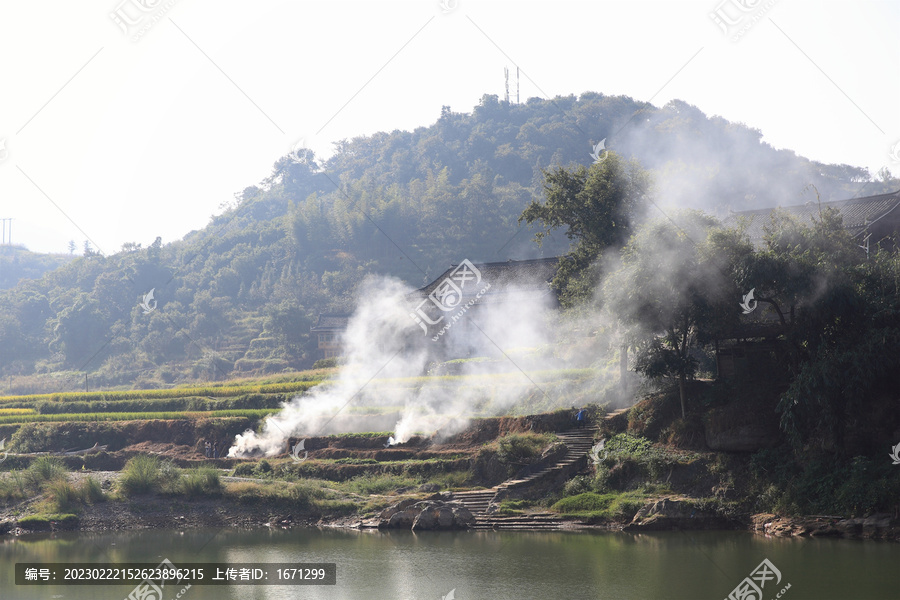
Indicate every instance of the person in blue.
{"type": "Point", "coordinates": [216, 449]}
{"type": "Point", "coordinates": [581, 418]}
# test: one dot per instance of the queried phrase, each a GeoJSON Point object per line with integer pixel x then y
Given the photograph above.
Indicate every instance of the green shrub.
{"type": "Point", "coordinates": [577, 485]}
{"type": "Point", "coordinates": [141, 475]}
{"type": "Point", "coordinates": [245, 469]}
{"type": "Point", "coordinates": [327, 363]}
{"type": "Point", "coordinates": [521, 448]}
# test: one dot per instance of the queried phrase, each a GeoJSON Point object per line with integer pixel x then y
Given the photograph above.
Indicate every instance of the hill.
{"type": "Point", "coordinates": [238, 296]}
{"type": "Point", "coordinates": [17, 263]}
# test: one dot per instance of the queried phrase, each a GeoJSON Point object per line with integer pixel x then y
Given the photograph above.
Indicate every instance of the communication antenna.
{"type": "Point", "coordinates": [517, 85]}
{"type": "Point", "coordinates": [7, 226]}
{"type": "Point", "coordinates": [506, 83]}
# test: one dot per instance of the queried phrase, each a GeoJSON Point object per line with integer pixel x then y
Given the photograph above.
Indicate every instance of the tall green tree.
{"type": "Point", "coordinates": [596, 205]}
{"type": "Point", "coordinates": [666, 293]}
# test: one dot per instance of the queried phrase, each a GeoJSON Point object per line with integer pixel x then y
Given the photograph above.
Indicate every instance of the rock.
{"type": "Point", "coordinates": [445, 518]}
{"type": "Point", "coordinates": [426, 515]}
{"type": "Point", "coordinates": [401, 520]}
{"type": "Point", "coordinates": [426, 520]}
{"type": "Point", "coordinates": [393, 509]}
{"type": "Point", "coordinates": [668, 514]}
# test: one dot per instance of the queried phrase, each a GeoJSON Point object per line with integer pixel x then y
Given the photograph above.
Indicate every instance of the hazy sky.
{"type": "Point", "coordinates": [126, 131]}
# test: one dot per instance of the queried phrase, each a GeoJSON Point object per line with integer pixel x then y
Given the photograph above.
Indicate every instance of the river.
{"type": "Point", "coordinates": [477, 565]}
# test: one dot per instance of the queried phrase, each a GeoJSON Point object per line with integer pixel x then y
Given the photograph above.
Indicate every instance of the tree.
{"type": "Point", "coordinates": [80, 331]}
{"type": "Point", "coordinates": [71, 246]}
{"type": "Point", "coordinates": [597, 206]}
{"type": "Point", "coordinates": [666, 293]}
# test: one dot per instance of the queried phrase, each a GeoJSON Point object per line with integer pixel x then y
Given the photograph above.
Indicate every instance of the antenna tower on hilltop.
{"type": "Point", "coordinates": [7, 226]}
{"type": "Point", "coordinates": [506, 83]}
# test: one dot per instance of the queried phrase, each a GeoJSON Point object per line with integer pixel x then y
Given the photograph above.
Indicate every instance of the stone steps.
{"type": "Point", "coordinates": [578, 443]}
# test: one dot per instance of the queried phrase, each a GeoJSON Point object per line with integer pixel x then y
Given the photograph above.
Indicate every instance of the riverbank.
{"type": "Point", "coordinates": [638, 471]}
{"type": "Point", "coordinates": [174, 514]}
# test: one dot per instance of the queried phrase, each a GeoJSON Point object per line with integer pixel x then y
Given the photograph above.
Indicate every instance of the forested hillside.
{"type": "Point", "coordinates": [240, 295]}
{"type": "Point", "coordinates": [17, 263]}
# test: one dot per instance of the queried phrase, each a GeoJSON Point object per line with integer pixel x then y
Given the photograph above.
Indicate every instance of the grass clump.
{"type": "Point", "coordinates": [301, 495]}
{"type": "Point", "coordinates": [90, 491]}
{"type": "Point", "coordinates": [48, 521]}
{"type": "Point", "coordinates": [63, 495]}
{"type": "Point", "coordinates": [601, 506]}
{"type": "Point", "coordinates": [452, 480]}
{"type": "Point", "coordinates": [43, 470]}
{"type": "Point", "coordinates": [141, 475]}
{"type": "Point", "coordinates": [13, 486]}
{"type": "Point", "coordinates": [510, 508]}
{"type": "Point", "coordinates": [203, 481]}
{"type": "Point", "coordinates": [369, 484]}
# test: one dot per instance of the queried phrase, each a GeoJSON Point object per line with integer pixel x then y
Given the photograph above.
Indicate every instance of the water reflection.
{"type": "Point", "coordinates": [545, 565]}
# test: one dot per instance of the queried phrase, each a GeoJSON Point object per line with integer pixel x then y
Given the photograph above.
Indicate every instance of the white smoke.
{"type": "Point", "coordinates": [376, 336]}
{"type": "Point", "coordinates": [386, 349]}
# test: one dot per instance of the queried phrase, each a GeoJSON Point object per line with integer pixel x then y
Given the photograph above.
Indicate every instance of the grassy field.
{"type": "Point", "coordinates": [135, 416]}
{"type": "Point", "coordinates": [253, 399]}
{"type": "Point", "coordinates": [213, 391]}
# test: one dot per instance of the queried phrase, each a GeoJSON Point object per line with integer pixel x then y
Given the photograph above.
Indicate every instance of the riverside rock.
{"type": "Point", "coordinates": [668, 514]}
{"type": "Point", "coordinates": [426, 515]}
